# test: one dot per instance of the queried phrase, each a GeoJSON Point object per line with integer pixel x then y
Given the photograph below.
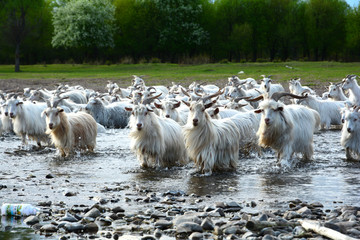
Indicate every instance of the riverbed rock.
{"type": "Point", "coordinates": [163, 224]}
{"type": "Point", "coordinates": [188, 227]}
{"type": "Point", "coordinates": [31, 220]}
{"type": "Point", "coordinates": [93, 213]}
{"type": "Point", "coordinates": [48, 228]}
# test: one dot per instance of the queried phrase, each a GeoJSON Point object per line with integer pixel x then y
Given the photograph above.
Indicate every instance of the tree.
{"type": "Point", "coordinates": [19, 19]}
{"type": "Point", "coordinates": [85, 24]}
{"type": "Point", "coordinates": [180, 32]}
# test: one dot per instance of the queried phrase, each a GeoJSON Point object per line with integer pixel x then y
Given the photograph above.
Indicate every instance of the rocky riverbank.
{"type": "Point", "coordinates": [176, 215]}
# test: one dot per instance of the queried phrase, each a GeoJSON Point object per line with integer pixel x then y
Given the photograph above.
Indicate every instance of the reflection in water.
{"type": "Point", "coordinates": [216, 184]}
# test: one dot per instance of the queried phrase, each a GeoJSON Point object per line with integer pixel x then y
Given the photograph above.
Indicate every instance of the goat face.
{"type": "Point", "coordinates": [168, 109]}
{"type": "Point", "coordinates": [138, 82]}
{"type": "Point", "coordinates": [35, 96]}
{"type": "Point", "coordinates": [197, 114]}
{"type": "Point", "coordinates": [234, 92]}
{"type": "Point", "coordinates": [348, 83]}
{"type": "Point", "coordinates": [270, 112]}
{"type": "Point", "coordinates": [52, 117]}
{"type": "Point", "coordinates": [333, 91]}
{"type": "Point", "coordinates": [13, 105]}
{"type": "Point", "coordinates": [352, 121]}
{"type": "Point", "coordinates": [266, 83]}
{"type": "Point", "coordinates": [140, 114]}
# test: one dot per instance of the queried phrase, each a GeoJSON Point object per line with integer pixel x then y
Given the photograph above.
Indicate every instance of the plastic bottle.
{"type": "Point", "coordinates": [8, 209]}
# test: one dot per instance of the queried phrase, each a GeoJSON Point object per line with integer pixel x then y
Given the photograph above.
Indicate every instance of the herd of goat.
{"type": "Point", "coordinates": [171, 125]}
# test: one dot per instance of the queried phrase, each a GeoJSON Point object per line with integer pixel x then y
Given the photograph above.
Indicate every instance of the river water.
{"type": "Point", "coordinates": [32, 175]}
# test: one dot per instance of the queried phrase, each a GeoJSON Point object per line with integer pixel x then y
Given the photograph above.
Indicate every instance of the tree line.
{"type": "Point", "coordinates": [177, 31]}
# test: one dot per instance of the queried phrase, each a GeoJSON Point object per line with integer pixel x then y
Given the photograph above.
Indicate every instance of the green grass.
{"type": "Point", "coordinates": [311, 73]}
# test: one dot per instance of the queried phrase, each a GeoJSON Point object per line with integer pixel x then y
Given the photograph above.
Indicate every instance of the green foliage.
{"type": "Point", "coordinates": [180, 31]}
{"type": "Point", "coordinates": [84, 23]}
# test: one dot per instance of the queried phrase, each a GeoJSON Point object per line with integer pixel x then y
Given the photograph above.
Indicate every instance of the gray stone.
{"type": "Point", "coordinates": [187, 218]}
{"type": "Point", "coordinates": [188, 227]}
{"type": "Point", "coordinates": [148, 237]}
{"type": "Point", "coordinates": [68, 218]}
{"type": "Point", "coordinates": [93, 213]}
{"type": "Point", "coordinates": [31, 220]}
{"type": "Point", "coordinates": [207, 224]}
{"type": "Point", "coordinates": [234, 230]}
{"type": "Point", "coordinates": [74, 227]}
{"type": "Point", "coordinates": [91, 228]}
{"type": "Point", "coordinates": [117, 209]}
{"type": "Point", "coordinates": [291, 215]}
{"type": "Point", "coordinates": [263, 217]}
{"type": "Point", "coordinates": [48, 228]}
{"type": "Point", "coordinates": [268, 237]}
{"type": "Point", "coordinates": [298, 231]}
{"type": "Point", "coordinates": [163, 224]}
{"type": "Point", "coordinates": [196, 236]}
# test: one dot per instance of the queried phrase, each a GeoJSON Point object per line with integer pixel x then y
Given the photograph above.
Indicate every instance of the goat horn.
{"type": "Point", "coordinates": [185, 92]}
{"type": "Point", "coordinates": [56, 103]}
{"type": "Point", "coordinates": [258, 98]}
{"type": "Point", "coordinates": [151, 88]}
{"type": "Point", "coordinates": [277, 95]}
{"type": "Point", "coordinates": [241, 98]}
{"type": "Point", "coordinates": [212, 95]}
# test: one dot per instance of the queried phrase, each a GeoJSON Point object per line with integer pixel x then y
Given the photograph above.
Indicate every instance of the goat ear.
{"type": "Point", "coordinates": [128, 109]}
{"type": "Point", "coordinates": [258, 110]}
{"type": "Point", "coordinates": [61, 110]}
{"type": "Point", "coordinates": [280, 109]}
{"type": "Point", "coordinates": [208, 105]}
{"type": "Point", "coordinates": [43, 114]}
{"type": "Point", "coordinates": [176, 105]}
{"type": "Point", "coordinates": [158, 105]}
{"type": "Point", "coordinates": [19, 103]}
{"type": "Point", "coordinates": [216, 111]}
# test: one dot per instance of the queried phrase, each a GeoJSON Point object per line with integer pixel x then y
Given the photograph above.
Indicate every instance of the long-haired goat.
{"type": "Point", "coordinates": [156, 141]}
{"type": "Point", "coordinates": [288, 129]}
{"type": "Point", "coordinates": [27, 120]}
{"type": "Point", "coordinates": [350, 84]}
{"type": "Point", "coordinates": [172, 109]}
{"type": "Point", "coordinates": [70, 131]}
{"type": "Point", "coordinates": [214, 144]}
{"type": "Point", "coordinates": [330, 111]}
{"type": "Point", "coordinates": [113, 115]}
{"type": "Point", "coordinates": [336, 92]}
{"type": "Point", "coordinates": [350, 134]}
{"type": "Point", "coordinates": [268, 87]}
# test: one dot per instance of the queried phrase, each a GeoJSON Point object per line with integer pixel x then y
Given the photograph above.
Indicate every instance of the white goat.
{"type": "Point", "coordinates": [172, 109]}
{"type": "Point", "coordinates": [113, 115]}
{"type": "Point", "coordinates": [288, 129]}
{"type": "Point", "coordinates": [336, 92]}
{"type": "Point", "coordinates": [27, 120]}
{"type": "Point", "coordinates": [157, 142]}
{"type": "Point", "coordinates": [330, 111]}
{"type": "Point", "coordinates": [295, 87]}
{"type": "Point", "coordinates": [239, 92]}
{"type": "Point", "coordinates": [212, 144]}
{"type": "Point", "coordinates": [350, 134]}
{"type": "Point", "coordinates": [350, 84]}
{"type": "Point", "coordinates": [268, 87]}
{"type": "Point", "coordinates": [70, 131]}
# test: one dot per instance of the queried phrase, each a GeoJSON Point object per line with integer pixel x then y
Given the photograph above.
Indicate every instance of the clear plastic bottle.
{"type": "Point", "coordinates": [8, 209]}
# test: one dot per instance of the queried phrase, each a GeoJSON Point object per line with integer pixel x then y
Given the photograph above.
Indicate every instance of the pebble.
{"type": "Point", "coordinates": [31, 220]}
{"type": "Point", "coordinates": [188, 227]}
{"type": "Point", "coordinates": [93, 213]}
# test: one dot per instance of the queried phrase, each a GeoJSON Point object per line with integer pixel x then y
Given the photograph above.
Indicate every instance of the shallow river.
{"type": "Point", "coordinates": [328, 179]}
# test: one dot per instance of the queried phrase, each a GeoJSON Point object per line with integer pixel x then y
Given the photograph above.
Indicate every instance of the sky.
{"type": "Point", "coordinates": [353, 3]}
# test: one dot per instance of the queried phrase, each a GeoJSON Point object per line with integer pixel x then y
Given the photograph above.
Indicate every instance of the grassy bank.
{"type": "Point", "coordinates": [311, 73]}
